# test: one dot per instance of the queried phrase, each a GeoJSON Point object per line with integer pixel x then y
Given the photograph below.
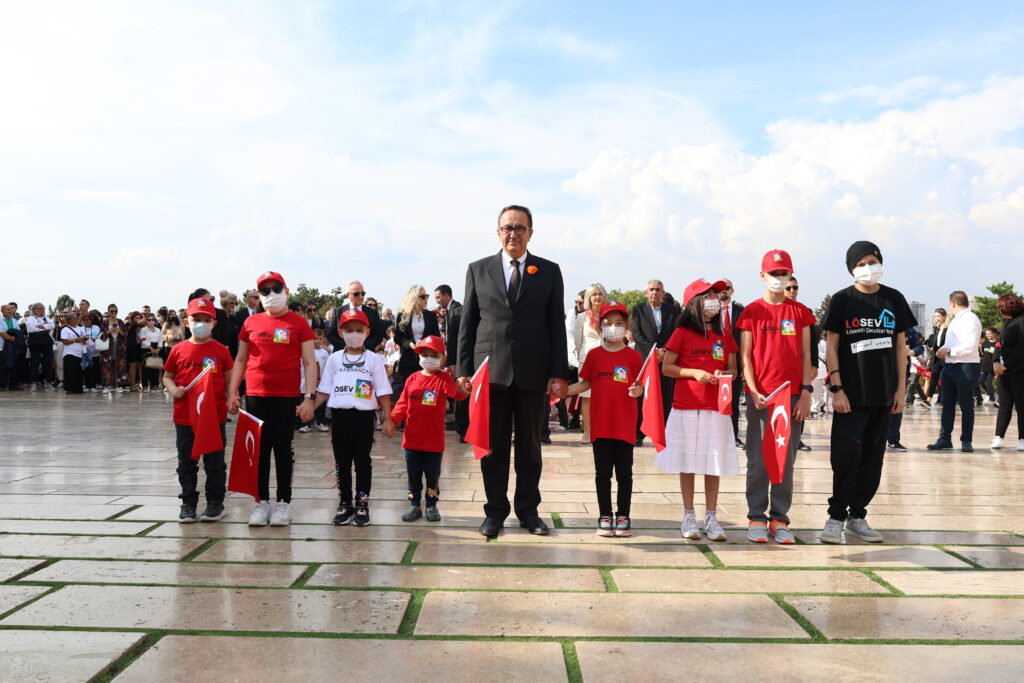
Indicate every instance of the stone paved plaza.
{"type": "Point", "coordinates": [97, 579]}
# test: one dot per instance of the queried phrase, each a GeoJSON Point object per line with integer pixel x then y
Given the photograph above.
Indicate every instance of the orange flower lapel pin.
{"type": "Point", "coordinates": [532, 270]}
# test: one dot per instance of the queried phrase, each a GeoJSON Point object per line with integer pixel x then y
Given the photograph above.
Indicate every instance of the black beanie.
{"type": "Point", "coordinates": [859, 250]}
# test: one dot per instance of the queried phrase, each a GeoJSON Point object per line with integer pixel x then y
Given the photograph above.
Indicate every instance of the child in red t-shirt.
{"type": "Point", "coordinates": [422, 406]}
{"type": "Point", "coordinates": [775, 342]}
{"type": "Point", "coordinates": [699, 439]}
{"type": "Point", "coordinates": [184, 363]}
{"type": "Point", "coordinates": [610, 372]}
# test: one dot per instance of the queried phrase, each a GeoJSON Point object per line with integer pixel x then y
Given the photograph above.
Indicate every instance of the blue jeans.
{"type": "Point", "coordinates": [958, 382]}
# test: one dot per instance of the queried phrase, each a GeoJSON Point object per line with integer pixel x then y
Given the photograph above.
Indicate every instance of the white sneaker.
{"type": "Point", "coordinates": [322, 427]}
{"type": "Point", "coordinates": [832, 533]}
{"type": "Point", "coordinates": [689, 528]}
{"type": "Point", "coordinates": [260, 514]}
{"type": "Point", "coordinates": [712, 529]}
{"type": "Point", "coordinates": [997, 442]}
{"type": "Point", "coordinates": [120, 390]}
{"type": "Point", "coordinates": [106, 390]}
{"type": "Point", "coordinates": [33, 387]}
{"type": "Point", "coordinates": [282, 515]}
{"type": "Point", "coordinates": [305, 429]}
{"type": "Point", "coordinates": [862, 530]}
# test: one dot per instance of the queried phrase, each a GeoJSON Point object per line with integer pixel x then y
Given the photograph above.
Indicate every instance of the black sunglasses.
{"type": "Point", "coordinates": [792, 288]}
{"type": "Point", "coordinates": [357, 293]}
{"type": "Point", "coordinates": [276, 289]}
{"type": "Point", "coordinates": [423, 296]}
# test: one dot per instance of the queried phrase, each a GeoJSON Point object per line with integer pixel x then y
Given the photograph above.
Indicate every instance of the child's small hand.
{"type": "Point", "coordinates": [179, 392]}
{"type": "Point", "coordinates": [705, 377]}
{"type": "Point", "coordinates": [388, 427]}
{"type": "Point", "coordinates": [636, 391]}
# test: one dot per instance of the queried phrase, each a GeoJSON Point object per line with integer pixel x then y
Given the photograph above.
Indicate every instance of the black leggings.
{"type": "Point", "coordinates": [351, 440]}
{"type": "Point", "coordinates": [1011, 397]}
{"type": "Point", "coordinates": [614, 454]}
{"type": "Point", "coordinates": [420, 464]}
{"type": "Point", "coordinates": [278, 415]}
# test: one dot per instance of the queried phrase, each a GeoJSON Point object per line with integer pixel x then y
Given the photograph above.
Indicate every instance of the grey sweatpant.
{"type": "Point", "coordinates": [757, 476]}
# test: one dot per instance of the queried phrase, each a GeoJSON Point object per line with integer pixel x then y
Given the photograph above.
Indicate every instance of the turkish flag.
{"type": "Point", "coordinates": [653, 424]}
{"type": "Point", "coordinates": [479, 431]}
{"type": "Point", "coordinates": [775, 442]}
{"type": "Point", "coordinates": [245, 456]}
{"type": "Point", "coordinates": [725, 394]}
{"type": "Point", "coordinates": [202, 416]}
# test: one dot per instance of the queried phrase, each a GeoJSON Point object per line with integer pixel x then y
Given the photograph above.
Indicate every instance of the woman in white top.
{"type": "Point", "coordinates": [151, 340]}
{"type": "Point", "coordinates": [39, 329]}
{"type": "Point", "coordinates": [413, 323]}
{"type": "Point", "coordinates": [73, 338]}
{"type": "Point", "coordinates": [587, 335]}
{"type": "Point", "coordinates": [91, 367]}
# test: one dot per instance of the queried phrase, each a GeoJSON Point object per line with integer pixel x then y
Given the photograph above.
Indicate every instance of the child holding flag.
{"type": "Point", "coordinates": [775, 342]}
{"type": "Point", "coordinates": [422, 406]}
{"type": "Point", "coordinates": [610, 372]}
{"type": "Point", "coordinates": [353, 384]}
{"type": "Point", "coordinates": [184, 363]}
{"type": "Point", "coordinates": [698, 438]}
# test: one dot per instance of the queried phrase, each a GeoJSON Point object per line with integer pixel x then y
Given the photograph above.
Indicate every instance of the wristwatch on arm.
{"type": "Point", "coordinates": [809, 388]}
{"type": "Point", "coordinates": [311, 397]}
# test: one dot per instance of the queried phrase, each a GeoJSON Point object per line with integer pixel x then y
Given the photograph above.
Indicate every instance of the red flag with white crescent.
{"type": "Point", "coordinates": [202, 417]}
{"type": "Point", "coordinates": [478, 433]}
{"type": "Point", "coordinates": [775, 442]}
{"type": "Point", "coordinates": [245, 456]}
{"type": "Point", "coordinates": [725, 394]}
{"type": "Point", "coordinates": [653, 424]}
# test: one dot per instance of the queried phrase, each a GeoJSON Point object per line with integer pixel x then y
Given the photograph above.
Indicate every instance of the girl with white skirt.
{"type": "Point", "coordinates": [699, 439]}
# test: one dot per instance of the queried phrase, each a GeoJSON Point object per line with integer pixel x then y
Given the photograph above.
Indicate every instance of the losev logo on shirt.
{"type": "Point", "coordinates": [788, 327]}
{"type": "Point", "coordinates": [621, 373]}
{"type": "Point", "coordinates": [885, 320]}
{"type": "Point", "coordinates": [210, 362]}
{"type": "Point", "coordinates": [282, 335]}
{"type": "Point", "coordinates": [364, 389]}
{"type": "Point", "coordinates": [718, 350]}
{"type": "Point", "coordinates": [429, 398]}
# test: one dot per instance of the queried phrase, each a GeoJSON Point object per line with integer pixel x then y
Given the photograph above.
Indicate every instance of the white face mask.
{"type": "Point", "coordinates": [712, 306]}
{"type": "Point", "coordinates": [274, 302]}
{"type": "Point", "coordinates": [868, 275]}
{"type": "Point", "coordinates": [201, 330]}
{"type": "Point", "coordinates": [428, 363]}
{"type": "Point", "coordinates": [775, 284]}
{"type": "Point", "coordinates": [613, 333]}
{"type": "Point", "coordinates": [353, 339]}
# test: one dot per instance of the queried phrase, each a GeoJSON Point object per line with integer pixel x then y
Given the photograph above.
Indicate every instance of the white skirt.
{"type": "Point", "coordinates": [698, 442]}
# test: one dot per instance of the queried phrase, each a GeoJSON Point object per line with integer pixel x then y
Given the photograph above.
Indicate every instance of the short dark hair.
{"type": "Point", "coordinates": [959, 298]}
{"type": "Point", "coordinates": [1010, 305]}
{"type": "Point", "coordinates": [199, 293]}
{"type": "Point", "coordinates": [87, 302]}
{"type": "Point", "coordinates": [517, 207]}
{"type": "Point", "coordinates": [992, 330]}
{"type": "Point", "coordinates": [792, 278]}
{"type": "Point", "coordinates": [444, 289]}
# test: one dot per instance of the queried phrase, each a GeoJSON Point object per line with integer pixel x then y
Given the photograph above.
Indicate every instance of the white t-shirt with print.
{"type": "Point", "coordinates": [354, 382]}
{"type": "Point", "coordinates": [72, 349]}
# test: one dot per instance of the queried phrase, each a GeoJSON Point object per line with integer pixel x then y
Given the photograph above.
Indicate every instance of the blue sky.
{"type": "Point", "coordinates": [146, 150]}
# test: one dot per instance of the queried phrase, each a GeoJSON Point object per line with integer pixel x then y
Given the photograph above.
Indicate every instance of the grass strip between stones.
{"type": "Point", "coordinates": [412, 612]}
{"type": "Point", "coordinates": [117, 666]}
{"type": "Point", "coordinates": [113, 517]}
{"type": "Point", "coordinates": [305, 576]}
{"type": "Point", "coordinates": [882, 582]}
{"type": "Point", "coordinates": [556, 519]}
{"type": "Point", "coordinates": [409, 552]}
{"type": "Point", "coordinates": [958, 556]}
{"type": "Point", "coordinates": [711, 557]}
{"type": "Point", "coordinates": [572, 662]}
{"type": "Point", "coordinates": [200, 550]}
{"type": "Point", "coordinates": [4, 615]}
{"type": "Point", "coordinates": [816, 635]}
{"type": "Point", "coordinates": [609, 580]}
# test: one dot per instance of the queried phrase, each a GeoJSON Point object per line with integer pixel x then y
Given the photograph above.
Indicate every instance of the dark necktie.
{"type": "Point", "coordinates": [513, 283]}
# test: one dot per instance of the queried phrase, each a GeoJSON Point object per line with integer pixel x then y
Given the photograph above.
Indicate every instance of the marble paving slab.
{"type": "Point", "coordinates": [560, 554]}
{"type": "Point", "coordinates": [744, 581]}
{"type": "Point", "coordinates": [58, 656]}
{"type": "Point", "coordinates": [237, 550]}
{"type": "Point", "coordinates": [459, 578]}
{"type": "Point", "coordinates": [113, 547]}
{"type": "Point", "coordinates": [183, 573]}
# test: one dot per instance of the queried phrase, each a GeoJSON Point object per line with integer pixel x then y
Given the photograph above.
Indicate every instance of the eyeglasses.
{"type": "Point", "coordinates": [276, 289]}
{"type": "Point", "coordinates": [792, 288]}
{"type": "Point", "coordinates": [373, 306]}
{"type": "Point", "coordinates": [357, 293]}
{"type": "Point", "coordinates": [517, 229]}
{"type": "Point", "coordinates": [253, 296]}
{"type": "Point", "coordinates": [423, 296]}
{"type": "Point", "coordinates": [310, 310]}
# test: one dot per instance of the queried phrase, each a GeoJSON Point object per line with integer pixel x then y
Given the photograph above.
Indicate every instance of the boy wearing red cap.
{"type": "Point", "coordinates": [775, 343]}
{"type": "Point", "coordinates": [271, 347]}
{"type": "Point", "coordinates": [699, 439]}
{"type": "Point", "coordinates": [422, 406]}
{"type": "Point", "coordinates": [184, 363]}
{"type": "Point", "coordinates": [354, 384]}
{"type": "Point", "coordinates": [611, 372]}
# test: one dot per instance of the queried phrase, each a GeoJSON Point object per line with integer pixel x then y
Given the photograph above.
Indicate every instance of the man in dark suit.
{"type": "Point", "coordinates": [653, 322]}
{"type": "Point", "coordinates": [356, 295]}
{"type": "Point", "coordinates": [450, 323]}
{"type": "Point", "coordinates": [731, 312]}
{"type": "Point", "coordinates": [513, 314]}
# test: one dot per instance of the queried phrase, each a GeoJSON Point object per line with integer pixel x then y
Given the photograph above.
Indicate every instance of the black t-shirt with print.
{"type": "Point", "coordinates": [867, 325]}
{"type": "Point", "coordinates": [988, 354]}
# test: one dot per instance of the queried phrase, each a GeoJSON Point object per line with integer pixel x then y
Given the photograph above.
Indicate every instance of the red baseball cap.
{"type": "Point", "coordinates": [269, 275]}
{"type": "Point", "coordinates": [433, 343]}
{"type": "Point", "coordinates": [201, 306]}
{"type": "Point", "coordinates": [776, 259]}
{"type": "Point", "coordinates": [353, 314]}
{"type": "Point", "coordinates": [613, 306]}
{"type": "Point", "coordinates": [700, 286]}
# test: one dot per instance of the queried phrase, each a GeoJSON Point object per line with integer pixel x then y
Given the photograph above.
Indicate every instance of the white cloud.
{"type": "Point", "coordinates": [896, 94]}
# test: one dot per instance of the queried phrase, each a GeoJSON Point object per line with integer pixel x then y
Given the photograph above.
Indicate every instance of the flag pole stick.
{"type": "Point", "coordinates": [646, 361]}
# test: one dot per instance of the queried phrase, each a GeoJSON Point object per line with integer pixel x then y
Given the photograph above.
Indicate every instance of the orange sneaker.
{"type": "Point", "coordinates": [757, 532]}
{"type": "Point", "coordinates": [781, 532]}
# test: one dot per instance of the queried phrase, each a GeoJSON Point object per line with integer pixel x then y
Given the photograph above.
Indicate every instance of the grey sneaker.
{"type": "Point", "coordinates": [187, 514]}
{"type": "Point", "coordinates": [832, 533]}
{"type": "Point", "coordinates": [213, 512]}
{"type": "Point", "coordinates": [712, 529]}
{"type": "Point", "coordinates": [863, 531]}
{"type": "Point", "coordinates": [260, 514]}
{"type": "Point", "coordinates": [689, 528]}
{"type": "Point", "coordinates": [282, 514]}
{"type": "Point", "coordinates": [432, 514]}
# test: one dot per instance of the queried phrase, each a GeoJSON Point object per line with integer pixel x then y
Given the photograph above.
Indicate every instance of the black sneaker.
{"type": "Point", "coordinates": [412, 514]}
{"type": "Point", "coordinates": [897, 447]}
{"type": "Point", "coordinates": [213, 512]}
{"type": "Point", "coordinates": [362, 516]}
{"type": "Point", "coordinates": [188, 514]}
{"type": "Point", "coordinates": [344, 515]}
{"type": "Point", "coordinates": [432, 514]}
{"type": "Point", "coordinates": [803, 447]}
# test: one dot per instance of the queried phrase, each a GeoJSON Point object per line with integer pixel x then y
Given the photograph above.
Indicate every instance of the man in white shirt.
{"type": "Point", "coordinates": [959, 373]}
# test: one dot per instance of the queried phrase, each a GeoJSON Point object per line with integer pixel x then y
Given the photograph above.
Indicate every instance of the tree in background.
{"type": "Point", "coordinates": [324, 302]}
{"type": "Point", "coordinates": [630, 297]}
{"type": "Point", "coordinates": [820, 311]}
{"type": "Point", "coordinates": [987, 311]}
{"type": "Point", "coordinates": [63, 301]}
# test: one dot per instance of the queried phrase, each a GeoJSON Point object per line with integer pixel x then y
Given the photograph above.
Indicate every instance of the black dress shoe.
{"type": "Point", "coordinates": [740, 444]}
{"type": "Point", "coordinates": [803, 447]}
{"type": "Point", "coordinates": [546, 440]}
{"type": "Point", "coordinates": [491, 527]}
{"type": "Point", "coordinates": [940, 446]}
{"type": "Point", "coordinates": [639, 442]}
{"type": "Point", "coordinates": [535, 525]}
